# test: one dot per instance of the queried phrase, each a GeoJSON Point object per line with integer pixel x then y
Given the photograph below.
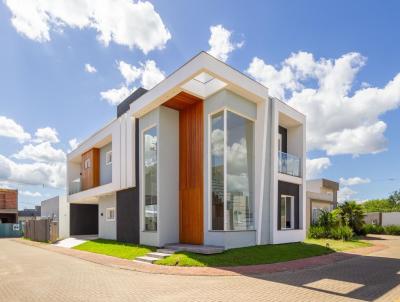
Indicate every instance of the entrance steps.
{"type": "Point", "coordinates": [154, 256]}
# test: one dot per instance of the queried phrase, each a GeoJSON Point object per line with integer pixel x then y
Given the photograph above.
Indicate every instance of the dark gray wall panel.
{"type": "Point", "coordinates": [283, 132]}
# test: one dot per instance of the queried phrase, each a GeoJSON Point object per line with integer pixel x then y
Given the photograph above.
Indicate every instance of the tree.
{"type": "Point", "coordinates": [394, 198]}
{"type": "Point", "coordinates": [351, 214]}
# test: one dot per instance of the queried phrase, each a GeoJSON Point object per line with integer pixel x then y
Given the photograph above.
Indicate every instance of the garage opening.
{"type": "Point", "coordinates": [84, 219]}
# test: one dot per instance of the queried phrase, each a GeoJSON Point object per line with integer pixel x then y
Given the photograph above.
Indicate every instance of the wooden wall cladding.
{"type": "Point", "coordinates": [90, 169]}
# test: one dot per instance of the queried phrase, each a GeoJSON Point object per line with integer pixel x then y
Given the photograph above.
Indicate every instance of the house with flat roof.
{"type": "Point", "coordinates": [206, 157]}
{"type": "Point", "coordinates": [8, 206]}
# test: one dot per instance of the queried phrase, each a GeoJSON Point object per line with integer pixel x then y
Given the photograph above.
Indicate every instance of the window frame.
{"type": "Point", "coordinates": [284, 228]}
{"type": "Point", "coordinates": [142, 175]}
{"type": "Point", "coordinates": [225, 110]}
{"type": "Point", "coordinates": [108, 163]}
{"type": "Point", "coordinates": [88, 161]}
{"type": "Point", "coordinates": [109, 210]}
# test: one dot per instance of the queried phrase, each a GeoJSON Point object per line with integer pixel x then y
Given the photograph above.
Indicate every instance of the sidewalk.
{"type": "Point", "coordinates": [209, 271]}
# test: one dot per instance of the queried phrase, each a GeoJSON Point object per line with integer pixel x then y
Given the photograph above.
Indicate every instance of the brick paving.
{"type": "Point", "coordinates": [28, 273]}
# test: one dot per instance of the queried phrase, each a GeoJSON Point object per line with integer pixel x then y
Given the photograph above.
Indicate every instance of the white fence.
{"type": "Point", "coordinates": [392, 218]}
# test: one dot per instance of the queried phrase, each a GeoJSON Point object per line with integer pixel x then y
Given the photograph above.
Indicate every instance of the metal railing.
{"type": "Point", "coordinates": [289, 164]}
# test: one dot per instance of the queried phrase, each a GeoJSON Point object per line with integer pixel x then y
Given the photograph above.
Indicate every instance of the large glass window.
{"type": "Point", "coordinates": [150, 179]}
{"type": "Point", "coordinates": [287, 212]}
{"type": "Point", "coordinates": [232, 154]}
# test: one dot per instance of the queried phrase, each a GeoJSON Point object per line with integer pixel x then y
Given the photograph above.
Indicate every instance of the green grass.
{"type": "Point", "coordinates": [262, 254]}
{"type": "Point", "coordinates": [115, 249]}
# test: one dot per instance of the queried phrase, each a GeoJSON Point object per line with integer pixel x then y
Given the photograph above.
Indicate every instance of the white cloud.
{"type": "Point", "coordinates": [73, 144]}
{"type": "Point", "coordinates": [46, 134]}
{"type": "Point", "coordinates": [345, 194]}
{"type": "Point", "coordinates": [90, 69]}
{"type": "Point", "coordinates": [9, 128]}
{"type": "Point", "coordinates": [340, 120]}
{"type": "Point", "coordinates": [116, 95]}
{"type": "Point", "coordinates": [352, 181]}
{"type": "Point", "coordinates": [124, 22]}
{"type": "Point", "coordinates": [30, 194]}
{"type": "Point", "coordinates": [147, 73]}
{"type": "Point", "coordinates": [48, 174]}
{"type": "Point", "coordinates": [43, 152]}
{"type": "Point", "coordinates": [316, 166]}
{"type": "Point", "coordinates": [220, 43]}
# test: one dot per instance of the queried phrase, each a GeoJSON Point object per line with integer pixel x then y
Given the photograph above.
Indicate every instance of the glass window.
{"type": "Point", "coordinates": [287, 212]}
{"type": "Point", "coordinates": [150, 179]}
{"type": "Point", "coordinates": [231, 177]}
{"type": "Point", "coordinates": [239, 191]}
{"type": "Point", "coordinates": [109, 158]}
{"type": "Point", "coordinates": [217, 171]}
{"type": "Point", "coordinates": [110, 214]}
{"type": "Point", "coordinates": [87, 163]}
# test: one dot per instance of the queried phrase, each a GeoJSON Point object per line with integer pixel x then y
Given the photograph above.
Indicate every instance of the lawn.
{"type": "Point", "coordinates": [115, 249]}
{"type": "Point", "coordinates": [262, 254]}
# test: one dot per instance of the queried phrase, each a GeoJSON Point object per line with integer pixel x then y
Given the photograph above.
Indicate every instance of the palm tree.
{"type": "Point", "coordinates": [352, 214]}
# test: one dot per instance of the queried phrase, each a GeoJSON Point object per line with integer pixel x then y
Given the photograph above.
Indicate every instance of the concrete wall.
{"type": "Point", "coordinates": [63, 221]}
{"type": "Point", "coordinates": [107, 229]}
{"type": "Point", "coordinates": [105, 170]}
{"type": "Point", "coordinates": [50, 208]}
{"type": "Point", "coordinates": [373, 218]}
{"type": "Point", "coordinates": [392, 218]}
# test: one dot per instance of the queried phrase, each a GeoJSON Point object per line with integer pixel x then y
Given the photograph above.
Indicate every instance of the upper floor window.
{"type": "Point", "coordinates": [87, 163]}
{"type": "Point", "coordinates": [232, 171]}
{"type": "Point", "coordinates": [108, 158]}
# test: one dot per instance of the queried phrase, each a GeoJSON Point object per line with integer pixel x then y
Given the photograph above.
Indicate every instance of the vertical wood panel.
{"type": "Point", "coordinates": [90, 177]}
{"type": "Point", "coordinates": [191, 174]}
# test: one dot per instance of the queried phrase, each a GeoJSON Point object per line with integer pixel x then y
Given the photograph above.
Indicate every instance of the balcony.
{"type": "Point", "coordinates": [289, 164]}
{"type": "Point", "coordinates": [75, 186]}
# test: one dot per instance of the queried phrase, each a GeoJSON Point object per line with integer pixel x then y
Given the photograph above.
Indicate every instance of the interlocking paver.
{"type": "Point", "coordinates": [28, 273]}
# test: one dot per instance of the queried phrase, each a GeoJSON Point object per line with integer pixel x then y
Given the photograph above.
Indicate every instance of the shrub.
{"type": "Point", "coordinates": [317, 232]}
{"type": "Point", "coordinates": [392, 229]}
{"type": "Point", "coordinates": [342, 232]}
{"type": "Point", "coordinates": [373, 229]}
{"type": "Point", "coordinates": [351, 214]}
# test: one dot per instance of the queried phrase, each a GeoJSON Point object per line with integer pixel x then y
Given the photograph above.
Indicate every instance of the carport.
{"type": "Point", "coordinates": [84, 219]}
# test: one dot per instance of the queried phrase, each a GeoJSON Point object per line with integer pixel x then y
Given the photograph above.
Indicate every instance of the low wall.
{"type": "Point", "coordinates": [392, 218]}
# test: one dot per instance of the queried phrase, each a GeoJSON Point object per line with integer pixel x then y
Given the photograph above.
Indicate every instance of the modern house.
{"type": "Point", "coordinates": [8, 206]}
{"type": "Point", "coordinates": [205, 157]}
{"type": "Point", "coordinates": [321, 195]}
{"type": "Point", "coordinates": [57, 210]}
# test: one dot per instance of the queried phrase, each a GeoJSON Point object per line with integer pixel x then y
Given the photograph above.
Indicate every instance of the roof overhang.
{"type": "Point", "coordinates": [202, 77]}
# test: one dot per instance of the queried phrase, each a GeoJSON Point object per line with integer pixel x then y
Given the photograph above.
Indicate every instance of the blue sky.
{"type": "Point", "coordinates": [297, 44]}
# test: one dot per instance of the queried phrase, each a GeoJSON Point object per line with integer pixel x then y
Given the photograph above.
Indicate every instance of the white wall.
{"type": "Point", "coordinates": [392, 218]}
{"type": "Point", "coordinates": [63, 224]}
{"type": "Point", "coordinates": [107, 229]}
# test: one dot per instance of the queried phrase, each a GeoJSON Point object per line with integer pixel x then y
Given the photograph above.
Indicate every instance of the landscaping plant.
{"type": "Point", "coordinates": [351, 214]}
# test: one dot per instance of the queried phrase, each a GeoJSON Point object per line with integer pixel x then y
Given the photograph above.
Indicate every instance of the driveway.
{"type": "Point", "coordinates": [29, 273]}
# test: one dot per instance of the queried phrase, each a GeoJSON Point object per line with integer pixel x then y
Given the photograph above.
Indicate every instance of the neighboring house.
{"type": "Point", "coordinates": [8, 206]}
{"type": "Point", "coordinates": [29, 214]}
{"type": "Point", "coordinates": [57, 209]}
{"type": "Point", "coordinates": [321, 195]}
{"type": "Point", "coordinates": [205, 157]}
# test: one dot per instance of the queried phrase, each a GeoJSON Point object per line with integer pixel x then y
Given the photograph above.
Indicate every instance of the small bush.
{"type": "Point", "coordinates": [373, 229]}
{"type": "Point", "coordinates": [316, 232]}
{"type": "Point", "coordinates": [392, 229]}
{"type": "Point", "coordinates": [342, 232]}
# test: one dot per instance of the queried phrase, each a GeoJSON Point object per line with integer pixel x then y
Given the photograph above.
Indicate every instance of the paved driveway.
{"type": "Point", "coordinates": [29, 273]}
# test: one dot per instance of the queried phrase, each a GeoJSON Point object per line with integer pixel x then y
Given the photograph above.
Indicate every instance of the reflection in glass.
{"type": "Point", "coordinates": [150, 179]}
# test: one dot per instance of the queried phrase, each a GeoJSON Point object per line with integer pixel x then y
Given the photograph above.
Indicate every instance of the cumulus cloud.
{"type": "Point", "coordinates": [340, 120]}
{"type": "Point", "coordinates": [124, 22]}
{"type": "Point", "coordinates": [43, 152]}
{"type": "Point", "coordinates": [90, 69]}
{"type": "Point", "coordinates": [147, 74]}
{"type": "Point", "coordinates": [316, 166]}
{"type": "Point", "coordinates": [48, 174]}
{"type": "Point", "coordinates": [73, 144]}
{"type": "Point", "coordinates": [346, 194]}
{"type": "Point", "coordinates": [30, 193]}
{"type": "Point", "coordinates": [352, 181]}
{"type": "Point", "coordinates": [220, 43]}
{"type": "Point", "coordinates": [116, 95]}
{"type": "Point", "coordinates": [9, 128]}
{"type": "Point", "coordinates": [46, 134]}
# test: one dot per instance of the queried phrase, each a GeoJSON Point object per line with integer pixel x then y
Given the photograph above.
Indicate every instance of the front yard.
{"type": "Point", "coordinates": [262, 254]}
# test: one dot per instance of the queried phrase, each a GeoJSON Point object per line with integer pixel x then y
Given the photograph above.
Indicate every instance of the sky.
{"type": "Point", "coordinates": [65, 65]}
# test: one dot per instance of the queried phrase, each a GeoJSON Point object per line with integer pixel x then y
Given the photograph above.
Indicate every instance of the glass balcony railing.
{"type": "Point", "coordinates": [289, 164]}
{"type": "Point", "coordinates": [75, 186]}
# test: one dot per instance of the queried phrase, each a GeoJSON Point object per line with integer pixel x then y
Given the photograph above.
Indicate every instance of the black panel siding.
{"type": "Point", "coordinates": [285, 188]}
{"type": "Point", "coordinates": [283, 132]}
{"type": "Point", "coordinates": [128, 204]}
{"type": "Point", "coordinates": [124, 105]}
{"type": "Point", "coordinates": [84, 219]}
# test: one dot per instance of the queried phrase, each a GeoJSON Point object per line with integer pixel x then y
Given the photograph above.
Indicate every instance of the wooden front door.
{"type": "Point", "coordinates": [191, 173]}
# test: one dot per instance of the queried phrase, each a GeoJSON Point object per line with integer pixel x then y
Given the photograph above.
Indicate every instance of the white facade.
{"type": "Point", "coordinates": [226, 90]}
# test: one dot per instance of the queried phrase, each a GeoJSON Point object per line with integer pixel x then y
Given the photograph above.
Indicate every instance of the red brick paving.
{"type": "Point", "coordinates": [209, 271]}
